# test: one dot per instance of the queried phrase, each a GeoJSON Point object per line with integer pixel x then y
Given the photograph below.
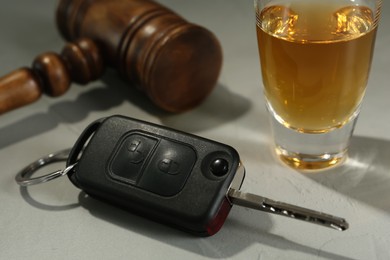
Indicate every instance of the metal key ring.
{"type": "Point", "coordinates": [23, 178]}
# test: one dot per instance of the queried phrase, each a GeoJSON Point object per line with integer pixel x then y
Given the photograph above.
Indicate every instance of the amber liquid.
{"type": "Point", "coordinates": [315, 61]}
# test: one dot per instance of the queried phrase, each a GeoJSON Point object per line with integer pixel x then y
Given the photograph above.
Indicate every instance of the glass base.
{"type": "Point", "coordinates": [309, 161]}
{"type": "Point", "coordinates": [311, 151]}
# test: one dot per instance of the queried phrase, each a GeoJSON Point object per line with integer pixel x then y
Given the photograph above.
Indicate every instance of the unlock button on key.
{"type": "Point", "coordinates": [168, 169]}
{"type": "Point", "coordinates": [169, 166]}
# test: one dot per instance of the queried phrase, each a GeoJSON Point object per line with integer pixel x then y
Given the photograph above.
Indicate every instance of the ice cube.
{"type": "Point", "coordinates": [278, 20]}
{"type": "Point", "coordinates": [353, 20]}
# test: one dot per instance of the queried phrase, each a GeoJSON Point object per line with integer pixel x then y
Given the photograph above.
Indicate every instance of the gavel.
{"type": "Point", "coordinates": [174, 62]}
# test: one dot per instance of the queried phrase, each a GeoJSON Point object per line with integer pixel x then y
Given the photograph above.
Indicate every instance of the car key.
{"type": "Point", "coordinates": [169, 176]}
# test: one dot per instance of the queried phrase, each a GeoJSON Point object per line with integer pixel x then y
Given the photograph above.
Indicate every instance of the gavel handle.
{"type": "Point", "coordinates": [19, 88]}
{"type": "Point", "coordinates": [51, 74]}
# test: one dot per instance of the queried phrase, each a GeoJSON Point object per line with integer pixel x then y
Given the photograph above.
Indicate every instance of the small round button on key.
{"type": "Point", "coordinates": [219, 167]}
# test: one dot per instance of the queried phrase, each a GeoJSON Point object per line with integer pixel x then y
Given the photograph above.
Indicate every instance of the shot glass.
{"type": "Point", "coordinates": [315, 58]}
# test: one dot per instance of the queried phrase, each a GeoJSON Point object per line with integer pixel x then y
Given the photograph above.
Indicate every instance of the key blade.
{"type": "Point", "coordinates": [257, 202]}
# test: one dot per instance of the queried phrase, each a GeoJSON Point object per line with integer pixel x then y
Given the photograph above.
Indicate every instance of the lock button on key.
{"type": "Point", "coordinates": [131, 156]}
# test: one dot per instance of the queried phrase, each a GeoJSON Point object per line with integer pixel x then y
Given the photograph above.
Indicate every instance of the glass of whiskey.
{"type": "Point", "coordinates": [315, 58]}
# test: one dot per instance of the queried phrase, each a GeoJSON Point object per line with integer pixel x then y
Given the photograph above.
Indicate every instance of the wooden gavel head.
{"type": "Point", "coordinates": [176, 63]}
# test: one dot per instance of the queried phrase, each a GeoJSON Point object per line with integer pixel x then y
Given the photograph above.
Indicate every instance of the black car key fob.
{"type": "Point", "coordinates": [169, 176]}
{"type": "Point", "coordinates": [163, 174]}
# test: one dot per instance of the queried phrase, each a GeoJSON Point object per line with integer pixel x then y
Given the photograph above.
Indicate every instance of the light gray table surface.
{"type": "Point", "coordinates": [55, 221]}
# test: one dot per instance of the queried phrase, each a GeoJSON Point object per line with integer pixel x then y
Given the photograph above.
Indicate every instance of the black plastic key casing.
{"type": "Point", "coordinates": [166, 175]}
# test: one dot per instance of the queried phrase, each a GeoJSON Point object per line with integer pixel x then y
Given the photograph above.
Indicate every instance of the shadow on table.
{"type": "Point", "coordinates": [243, 228]}
{"type": "Point", "coordinates": [218, 108]}
{"type": "Point", "coordinates": [234, 237]}
{"type": "Point", "coordinates": [365, 176]}
{"type": "Point", "coordinates": [65, 112]}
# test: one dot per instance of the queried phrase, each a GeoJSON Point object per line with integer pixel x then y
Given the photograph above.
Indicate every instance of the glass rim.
{"type": "Point", "coordinates": [375, 22]}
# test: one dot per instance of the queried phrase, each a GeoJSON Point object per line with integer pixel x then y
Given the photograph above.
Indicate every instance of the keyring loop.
{"type": "Point", "coordinates": [23, 178]}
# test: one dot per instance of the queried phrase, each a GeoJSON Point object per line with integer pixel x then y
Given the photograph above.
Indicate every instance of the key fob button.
{"type": "Point", "coordinates": [168, 169]}
{"type": "Point", "coordinates": [135, 154]}
{"type": "Point", "coordinates": [169, 166]}
{"type": "Point", "coordinates": [131, 156]}
{"type": "Point", "coordinates": [137, 151]}
{"type": "Point", "coordinates": [219, 167]}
